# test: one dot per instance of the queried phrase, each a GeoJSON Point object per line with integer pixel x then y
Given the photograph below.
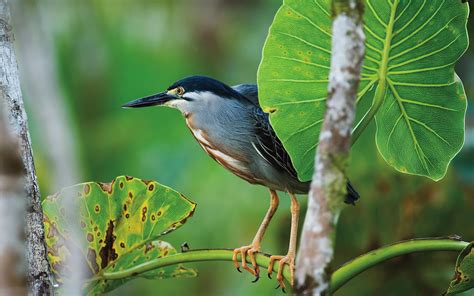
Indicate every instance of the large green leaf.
{"type": "Point", "coordinates": [464, 272]}
{"type": "Point", "coordinates": [408, 77]}
{"type": "Point", "coordinates": [120, 223]}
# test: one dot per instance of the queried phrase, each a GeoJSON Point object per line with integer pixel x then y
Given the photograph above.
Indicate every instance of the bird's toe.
{"type": "Point", "coordinates": [282, 261]}
{"type": "Point", "coordinates": [247, 251]}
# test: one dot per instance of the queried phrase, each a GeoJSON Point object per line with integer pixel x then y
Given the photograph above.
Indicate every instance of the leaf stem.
{"type": "Point", "coordinates": [341, 276]}
{"type": "Point", "coordinates": [382, 77]}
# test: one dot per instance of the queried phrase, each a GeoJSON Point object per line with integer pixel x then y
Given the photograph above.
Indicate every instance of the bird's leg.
{"type": "Point", "coordinates": [290, 256]}
{"type": "Point", "coordinates": [251, 249]}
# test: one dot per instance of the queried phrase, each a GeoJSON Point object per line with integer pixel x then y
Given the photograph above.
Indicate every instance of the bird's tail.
{"type": "Point", "coordinates": [352, 195]}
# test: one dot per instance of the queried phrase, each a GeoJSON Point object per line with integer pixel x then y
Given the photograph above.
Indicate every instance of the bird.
{"type": "Point", "coordinates": [232, 128]}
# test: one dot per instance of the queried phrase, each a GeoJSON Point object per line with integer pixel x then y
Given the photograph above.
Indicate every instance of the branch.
{"type": "Point", "coordinates": [263, 260]}
{"type": "Point", "coordinates": [338, 278]}
{"type": "Point", "coordinates": [38, 268]}
{"type": "Point", "coordinates": [328, 186]}
{"type": "Point", "coordinates": [356, 266]}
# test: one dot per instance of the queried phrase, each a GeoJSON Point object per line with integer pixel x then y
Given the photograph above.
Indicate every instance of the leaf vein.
{"type": "Point", "coordinates": [393, 128]}
{"type": "Point", "coordinates": [301, 102]}
{"type": "Point", "coordinates": [322, 8]}
{"type": "Point", "coordinates": [375, 35]}
{"type": "Point", "coordinates": [411, 20]}
{"type": "Point", "coordinates": [419, 27]}
{"type": "Point", "coordinates": [419, 151]}
{"type": "Point", "coordinates": [304, 129]}
{"type": "Point", "coordinates": [427, 105]}
{"type": "Point", "coordinates": [430, 129]}
{"type": "Point", "coordinates": [299, 80]}
{"type": "Point", "coordinates": [369, 4]}
{"type": "Point", "coordinates": [302, 61]}
{"type": "Point", "coordinates": [426, 55]}
{"type": "Point", "coordinates": [304, 41]}
{"type": "Point", "coordinates": [403, 11]}
{"type": "Point", "coordinates": [310, 21]}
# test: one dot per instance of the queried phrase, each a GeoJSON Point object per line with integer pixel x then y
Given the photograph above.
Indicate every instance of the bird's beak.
{"type": "Point", "coordinates": [153, 100]}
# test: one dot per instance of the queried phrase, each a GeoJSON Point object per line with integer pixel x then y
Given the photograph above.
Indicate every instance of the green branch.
{"type": "Point", "coordinates": [349, 270]}
{"type": "Point", "coordinates": [341, 276]}
{"type": "Point", "coordinates": [263, 260]}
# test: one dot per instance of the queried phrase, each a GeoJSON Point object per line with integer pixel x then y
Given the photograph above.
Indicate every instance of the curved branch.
{"type": "Point", "coordinates": [352, 268]}
{"type": "Point", "coordinates": [263, 260]}
{"type": "Point", "coordinates": [341, 276]}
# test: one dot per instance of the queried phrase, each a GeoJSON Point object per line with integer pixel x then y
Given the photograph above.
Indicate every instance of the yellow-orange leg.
{"type": "Point", "coordinates": [253, 248]}
{"type": "Point", "coordinates": [289, 259]}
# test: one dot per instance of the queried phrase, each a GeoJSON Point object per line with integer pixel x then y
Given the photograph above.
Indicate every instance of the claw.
{"type": "Point", "coordinates": [269, 275]}
{"type": "Point", "coordinates": [282, 260]}
{"type": "Point", "coordinates": [244, 251]}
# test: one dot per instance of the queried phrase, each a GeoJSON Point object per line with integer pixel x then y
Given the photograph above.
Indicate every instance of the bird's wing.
{"type": "Point", "coordinates": [267, 143]}
{"type": "Point", "coordinates": [249, 91]}
{"type": "Point", "coordinates": [269, 146]}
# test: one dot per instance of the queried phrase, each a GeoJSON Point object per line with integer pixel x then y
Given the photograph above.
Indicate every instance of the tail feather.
{"type": "Point", "coordinates": [352, 195]}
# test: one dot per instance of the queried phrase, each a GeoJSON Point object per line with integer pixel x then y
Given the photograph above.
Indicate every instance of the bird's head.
{"type": "Point", "coordinates": [188, 95]}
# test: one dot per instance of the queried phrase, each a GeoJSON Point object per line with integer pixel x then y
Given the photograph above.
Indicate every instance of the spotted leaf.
{"type": "Point", "coordinates": [464, 272]}
{"type": "Point", "coordinates": [120, 223]}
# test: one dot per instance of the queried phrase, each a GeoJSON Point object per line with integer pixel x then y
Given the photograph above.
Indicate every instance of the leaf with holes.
{"type": "Point", "coordinates": [463, 272]}
{"type": "Point", "coordinates": [408, 81]}
{"type": "Point", "coordinates": [120, 223]}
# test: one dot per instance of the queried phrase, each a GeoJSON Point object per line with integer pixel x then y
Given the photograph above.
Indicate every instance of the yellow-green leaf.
{"type": "Point", "coordinates": [120, 223]}
{"type": "Point", "coordinates": [464, 272]}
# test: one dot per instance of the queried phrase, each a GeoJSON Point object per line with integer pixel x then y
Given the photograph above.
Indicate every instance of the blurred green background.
{"type": "Point", "coordinates": [99, 54]}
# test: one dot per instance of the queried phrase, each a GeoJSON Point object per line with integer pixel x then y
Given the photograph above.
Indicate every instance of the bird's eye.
{"type": "Point", "coordinates": [180, 91]}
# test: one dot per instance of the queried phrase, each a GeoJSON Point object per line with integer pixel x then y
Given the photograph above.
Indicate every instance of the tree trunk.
{"type": "Point", "coordinates": [38, 268]}
{"type": "Point", "coordinates": [328, 187]}
{"type": "Point", "coordinates": [12, 211]}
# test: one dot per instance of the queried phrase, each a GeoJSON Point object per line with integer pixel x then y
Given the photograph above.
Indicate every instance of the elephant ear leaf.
{"type": "Point", "coordinates": [120, 223]}
{"type": "Point", "coordinates": [407, 82]}
{"type": "Point", "coordinates": [464, 272]}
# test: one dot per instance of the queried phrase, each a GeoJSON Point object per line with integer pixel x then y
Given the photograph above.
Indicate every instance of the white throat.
{"type": "Point", "coordinates": [198, 101]}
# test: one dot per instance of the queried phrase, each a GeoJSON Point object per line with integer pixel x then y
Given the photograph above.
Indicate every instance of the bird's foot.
{"type": "Point", "coordinates": [289, 260]}
{"type": "Point", "coordinates": [250, 251]}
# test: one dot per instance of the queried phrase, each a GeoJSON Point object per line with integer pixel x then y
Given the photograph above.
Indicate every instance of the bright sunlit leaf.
{"type": "Point", "coordinates": [411, 49]}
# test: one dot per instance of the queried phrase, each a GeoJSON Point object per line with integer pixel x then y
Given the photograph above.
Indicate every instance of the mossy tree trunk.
{"type": "Point", "coordinates": [328, 186]}
{"type": "Point", "coordinates": [38, 267]}
{"type": "Point", "coordinates": [12, 211]}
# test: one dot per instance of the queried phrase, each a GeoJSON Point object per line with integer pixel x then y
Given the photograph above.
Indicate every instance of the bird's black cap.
{"type": "Point", "coordinates": [200, 83]}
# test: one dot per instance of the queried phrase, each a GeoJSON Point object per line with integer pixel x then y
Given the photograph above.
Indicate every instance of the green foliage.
{"type": "Point", "coordinates": [408, 81]}
{"type": "Point", "coordinates": [131, 63]}
{"type": "Point", "coordinates": [464, 272]}
{"type": "Point", "coordinates": [120, 222]}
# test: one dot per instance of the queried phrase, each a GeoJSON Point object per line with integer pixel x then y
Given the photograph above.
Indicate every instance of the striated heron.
{"type": "Point", "coordinates": [231, 127]}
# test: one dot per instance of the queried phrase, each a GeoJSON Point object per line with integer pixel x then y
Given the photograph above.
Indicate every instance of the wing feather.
{"type": "Point", "coordinates": [269, 146]}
